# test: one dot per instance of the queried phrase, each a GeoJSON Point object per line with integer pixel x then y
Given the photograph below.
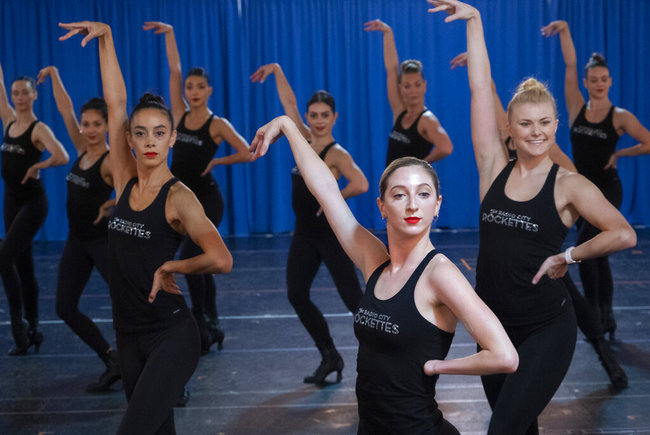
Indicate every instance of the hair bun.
{"type": "Point", "coordinates": [531, 84]}
{"type": "Point", "coordinates": [149, 98]}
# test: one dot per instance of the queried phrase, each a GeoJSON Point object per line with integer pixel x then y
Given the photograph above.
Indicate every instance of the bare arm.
{"type": "Point", "coordinates": [364, 249]}
{"type": "Point", "coordinates": [7, 113]}
{"type": "Point", "coordinates": [433, 132]}
{"type": "Point", "coordinates": [224, 129]}
{"type": "Point", "coordinates": [343, 163]}
{"type": "Point", "coordinates": [287, 97]}
{"type": "Point", "coordinates": [122, 161]}
{"type": "Point", "coordinates": [43, 137]}
{"type": "Point", "coordinates": [65, 107]}
{"type": "Point", "coordinates": [574, 99]}
{"type": "Point", "coordinates": [391, 62]}
{"type": "Point", "coordinates": [497, 354]}
{"type": "Point", "coordinates": [631, 125]}
{"type": "Point", "coordinates": [175, 72]}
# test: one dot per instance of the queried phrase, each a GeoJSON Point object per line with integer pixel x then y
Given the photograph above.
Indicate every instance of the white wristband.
{"type": "Point", "coordinates": [567, 256]}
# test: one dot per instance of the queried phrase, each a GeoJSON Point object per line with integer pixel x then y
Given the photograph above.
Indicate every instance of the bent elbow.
{"type": "Point", "coordinates": [510, 361]}
{"type": "Point", "coordinates": [628, 238]}
{"type": "Point", "coordinates": [224, 265]}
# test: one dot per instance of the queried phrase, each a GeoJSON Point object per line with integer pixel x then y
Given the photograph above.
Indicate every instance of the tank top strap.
{"type": "Point", "coordinates": [549, 184]}
{"type": "Point", "coordinates": [128, 188]}
{"type": "Point", "coordinates": [164, 190]}
{"type": "Point", "coordinates": [375, 275]}
{"type": "Point", "coordinates": [101, 158]}
{"type": "Point", "coordinates": [415, 123]}
{"type": "Point", "coordinates": [502, 178]}
{"type": "Point", "coordinates": [412, 281]}
{"type": "Point", "coordinates": [206, 126]}
{"type": "Point", "coordinates": [29, 130]}
{"type": "Point", "coordinates": [610, 115]}
{"type": "Point", "coordinates": [326, 149]}
{"type": "Point", "coordinates": [8, 127]}
{"type": "Point", "coordinates": [398, 121]}
{"type": "Point", "coordinates": [181, 123]}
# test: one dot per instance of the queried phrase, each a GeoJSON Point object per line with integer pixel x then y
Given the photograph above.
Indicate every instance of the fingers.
{"type": "Point", "coordinates": [152, 294]}
{"type": "Point", "coordinates": [68, 35]}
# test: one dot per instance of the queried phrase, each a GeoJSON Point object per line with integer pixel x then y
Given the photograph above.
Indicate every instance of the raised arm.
{"type": "Point", "coordinates": [630, 125]}
{"type": "Point", "coordinates": [490, 154]}
{"type": "Point", "coordinates": [122, 161]}
{"type": "Point", "coordinates": [7, 113]}
{"type": "Point", "coordinates": [175, 72]}
{"type": "Point", "coordinates": [287, 97]}
{"type": "Point", "coordinates": [65, 106]}
{"type": "Point", "coordinates": [391, 62]}
{"type": "Point", "coordinates": [364, 249]}
{"type": "Point", "coordinates": [574, 99]}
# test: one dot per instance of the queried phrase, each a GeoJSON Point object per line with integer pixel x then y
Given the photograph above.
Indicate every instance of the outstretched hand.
{"type": "Point", "coordinates": [459, 60]}
{"type": "Point", "coordinates": [374, 25]}
{"type": "Point", "coordinates": [611, 162]}
{"type": "Point", "coordinates": [456, 10]}
{"type": "Point", "coordinates": [263, 72]}
{"type": "Point", "coordinates": [157, 26]}
{"type": "Point", "coordinates": [554, 266]}
{"type": "Point", "coordinates": [554, 27]}
{"type": "Point", "coordinates": [91, 29]}
{"type": "Point", "coordinates": [165, 281]}
{"type": "Point", "coordinates": [44, 73]}
{"type": "Point", "coordinates": [266, 135]}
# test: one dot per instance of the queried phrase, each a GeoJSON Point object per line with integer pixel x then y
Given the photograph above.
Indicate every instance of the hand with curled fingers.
{"type": "Point", "coordinates": [376, 25]}
{"type": "Point", "coordinates": [459, 60]}
{"type": "Point", "coordinates": [554, 266]}
{"type": "Point", "coordinates": [163, 280]}
{"type": "Point", "coordinates": [263, 72]}
{"type": "Point", "coordinates": [268, 134]}
{"type": "Point", "coordinates": [157, 26]}
{"type": "Point", "coordinates": [554, 27]}
{"type": "Point", "coordinates": [455, 9]}
{"type": "Point", "coordinates": [91, 29]}
{"type": "Point", "coordinates": [45, 73]}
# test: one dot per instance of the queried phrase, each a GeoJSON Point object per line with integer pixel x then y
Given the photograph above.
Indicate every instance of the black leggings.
{"type": "Point", "coordinates": [23, 219]}
{"type": "Point", "coordinates": [77, 261]}
{"type": "Point", "coordinates": [596, 274]}
{"type": "Point", "coordinates": [545, 352]}
{"type": "Point", "coordinates": [305, 256]}
{"type": "Point", "coordinates": [585, 314]}
{"type": "Point", "coordinates": [155, 367]}
{"type": "Point", "coordinates": [203, 291]}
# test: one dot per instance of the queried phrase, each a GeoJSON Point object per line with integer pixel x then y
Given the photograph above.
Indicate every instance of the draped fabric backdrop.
{"type": "Point", "coordinates": [321, 45]}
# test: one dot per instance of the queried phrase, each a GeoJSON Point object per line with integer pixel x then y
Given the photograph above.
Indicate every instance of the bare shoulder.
{"type": "Point", "coordinates": [441, 272]}
{"type": "Point", "coordinates": [429, 116]}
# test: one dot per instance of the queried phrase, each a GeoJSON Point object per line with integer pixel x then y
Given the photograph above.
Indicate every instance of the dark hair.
{"type": "Point", "coordinates": [27, 79]}
{"type": "Point", "coordinates": [595, 60]}
{"type": "Point", "coordinates": [151, 101]}
{"type": "Point", "coordinates": [199, 72]}
{"type": "Point", "coordinates": [401, 163]}
{"type": "Point", "coordinates": [322, 97]}
{"type": "Point", "coordinates": [410, 66]}
{"type": "Point", "coordinates": [97, 104]}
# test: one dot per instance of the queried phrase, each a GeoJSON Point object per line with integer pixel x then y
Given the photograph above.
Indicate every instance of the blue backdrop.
{"type": "Point", "coordinates": [321, 45]}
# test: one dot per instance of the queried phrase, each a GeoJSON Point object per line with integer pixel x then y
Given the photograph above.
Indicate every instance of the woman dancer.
{"type": "Point", "coordinates": [313, 241]}
{"type": "Point", "coordinates": [200, 133]}
{"type": "Point", "coordinates": [595, 128]}
{"type": "Point", "coordinates": [520, 258]}
{"type": "Point", "coordinates": [416, 130]}
{"type": "Point", "coordinates": [157, 340]}
{"type": "Point", "coordinates": [414, 296]}
{"type": "Point", "coordinates": [90, 184]}
{"type": "Point", "coordinates": [25, 205]}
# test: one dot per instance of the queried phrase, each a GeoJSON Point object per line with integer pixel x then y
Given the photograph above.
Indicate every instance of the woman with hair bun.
{"type": "Point", "coordinates": [595, 128]}
{"type": "Point", "coordinates": [416, 130]}
{"type": "Point", "coordinates": [527, 207]}
{"type": "Point", "coordinates": [157, 339]}
{"type": "Point", "coordinates": [90, 184]}
{"type": "Point", "coordinates": [200, 132]}
{"type": "Point", "coordinates": [313, 241]}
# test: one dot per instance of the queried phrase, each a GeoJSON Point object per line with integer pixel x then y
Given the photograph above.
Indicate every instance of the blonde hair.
{"type": "Point", "coordinates": [532, 91]}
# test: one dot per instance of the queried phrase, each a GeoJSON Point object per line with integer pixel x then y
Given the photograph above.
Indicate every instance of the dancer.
{"type": "Point", "coordinates": [520, 258]}
{"type": "Point", "coordinates": [595, 128]}
{"type": "Point", "coordinates": [414, 296]}
{"type": "Point", "coordinates": [313, 241]}
{"type": "Point", "coordinates": [25, 205]}
{"type": "Point", "coordinates": [416, 130]}
{"type": "Point", "coordinates": [90, 184]}
{"type": "Point", "coordinates": [200, 133]}
{"type": "Point", "coordinates": [157, 340]}
{"type": "Point", "coordinates": [585, 316]}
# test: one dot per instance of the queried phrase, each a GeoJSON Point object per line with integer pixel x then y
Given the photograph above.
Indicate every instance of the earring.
{"type": "Point", "coordinates": [435, 218]}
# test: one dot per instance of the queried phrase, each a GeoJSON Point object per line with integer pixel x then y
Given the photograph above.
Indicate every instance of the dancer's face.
{"type": "Point", "coordinates": [150, 137]}
{"type": "Point", "coordinates": [410, 201]}
{"type": "Point", "coordinates": [532, 127]}
{"type": "Point", "coordinates": [412, 88]}
{"type": "Point", "coordinates": [23, 95]}
{"type": "Point", "coordinates": [93, 127]}
{"type": "Point", "coordinates": [320, 119]}
{"type": "Point", "coordinates": [598, 82]}
{"type": "Point", "coordinates": [197, 91]}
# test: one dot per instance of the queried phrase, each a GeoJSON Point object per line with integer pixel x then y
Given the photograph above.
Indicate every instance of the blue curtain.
{"type": "Point", "coordinates": [321, 45]}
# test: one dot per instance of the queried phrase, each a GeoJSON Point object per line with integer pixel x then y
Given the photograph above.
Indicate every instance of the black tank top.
{"type": "Point", "coordinates": [394, 343]}
{"type": "Point", "coordinates": [305, 206]}
{"type": "Point", "coordinates": [18, 155]}
{"type": "Point", "coordinates": [515, 239]}
{"type": "Point", "coordinates": [592, 146]}
{"type": "Point", "coordinates": [404, 142]}
{"type": "Point", "coordinates": [192, 152]}
{"type": "Point", "coordinates": [138, 243]}
{"type": "Point", "coordinates": [87, 191]}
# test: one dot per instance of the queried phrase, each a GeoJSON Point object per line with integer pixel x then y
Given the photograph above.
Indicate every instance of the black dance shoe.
{"type": "Point", "coordinates": [111, 375]}
{"type": "Point", "coordinates": [616, 374]}
{"type": "Point", "coordinates": [331, 362]}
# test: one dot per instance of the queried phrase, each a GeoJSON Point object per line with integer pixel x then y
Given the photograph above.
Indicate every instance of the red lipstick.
{"type": "Point", "coordinates": [412, 220]}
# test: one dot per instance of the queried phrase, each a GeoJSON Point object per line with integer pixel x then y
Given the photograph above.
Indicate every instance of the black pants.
{"type": "Point", "coordinates": [202, 289]}
{"type": "Point", "coordinates": [23, 219]}
{"type": "Point", "coordinates": [585, 315]}
{"type": "Point", "coordinates": [545, 353]}
{"type": "Point", "coordinates": [305, 256]}
{"type": "Point", "coordinates": [596, 274]}
{"type": "Point", "coordinates": [155, 367]}
{"type": "Point", "coordinates": [77, 261]}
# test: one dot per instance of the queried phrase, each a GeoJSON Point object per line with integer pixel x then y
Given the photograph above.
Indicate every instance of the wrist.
{"type": "Point", "coordinates": [567, 256]}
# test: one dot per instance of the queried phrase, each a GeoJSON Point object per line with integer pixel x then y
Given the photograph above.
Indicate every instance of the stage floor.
{"type": "Point", "coordinates": [254, 385]}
